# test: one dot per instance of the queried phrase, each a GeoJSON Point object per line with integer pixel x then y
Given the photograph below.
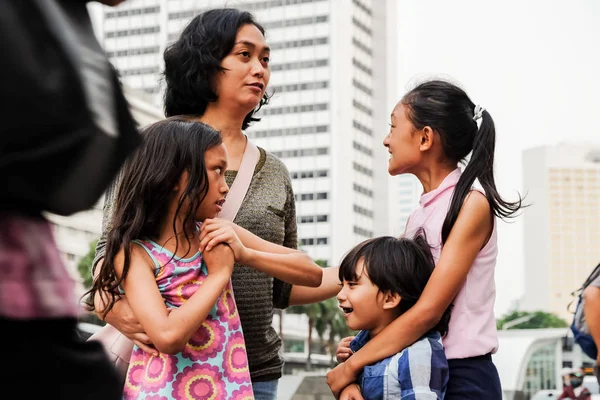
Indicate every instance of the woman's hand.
{"type": "Point", "coordinates": [215, 231]}
{"type": "Point", "coordinates": [343, 349]}
{"type": "Point", "coordinates": [351, 392]}
{"type": "Point", "coordinates": [340, 377]}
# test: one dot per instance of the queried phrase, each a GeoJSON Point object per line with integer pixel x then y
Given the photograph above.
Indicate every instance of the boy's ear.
{"type": "Point", "coordinates": [391, 300]}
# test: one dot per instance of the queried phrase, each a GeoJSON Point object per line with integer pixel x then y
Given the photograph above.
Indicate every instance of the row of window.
{"type": "Point", "coordinates": [302, 153]}
{"type": "Point", "coordinates": [311, 196]}
{"type": "Point", "coordinates": [363, 211]}
{"type": "Point", "coordinates": [362, 67]}
{"type": "Point", "coordinates": [284, 23]}
{"type": "Point", "coordinates": [362, 128]}
{"type": "Point", "coordinates": [360, 45]}
{"type": "Point", "coordinates": [261, 5]}
{"type": "Point", "coordinates": [362, 87]}
{"type": "Point", "coordinates": [362, 26]}
{"type": "Point", "coordinates": [359, 106]}
{"type": "Point", "coordinates": [362, 169]}
{"type": "Point", "coordinates": [362, 6]}
{"type": "Point", "coordinates": [307, 219]}
{"type": "Point", "coordinates": [294, 109]}
{"type": "Point", "coordinates": [138, 71]}
{"type": "Point", "coordinates": [134, 31]}
{"type": "Point", "coordinates": [134, 52]}
{"type": "Point", "coordinates": [312, 241]}
{"type": "Point", "coordinates": [362, 190]}
{"type": "Point", "coordinates": [302, 130]}
{"type": "Point", "coordinates": [362, 149]}
{"type": "Point", "coordinates": [290, 44]}
{"type": "Point", "coordinates": [297, 87]}
{"type": "Point", "coordinates": [363, 232]}
{"type": "Point", "coordinates": [300, 65]}
{"type": "Point", "coordinates": [320, 173]}
{"type": "Point", "coordinates": [133, 11]}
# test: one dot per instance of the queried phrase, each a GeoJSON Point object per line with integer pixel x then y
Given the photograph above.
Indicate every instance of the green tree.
{"type": "Point", "coordinates": [85, 266]}
{"type": "Point", "coordinates": [530, 320]}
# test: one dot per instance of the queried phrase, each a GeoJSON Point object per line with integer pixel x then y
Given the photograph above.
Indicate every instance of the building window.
{"type": "Point", "coordinates": [362, 149]}
{"type": "Point", "coordinates": [359, 106]}
{"type": "Point", "coordinates": [301, 153]}
{"type": "Point", "coordinates": [296, 87]}
{"type": "Point", "coordinates": [311, 196]}
{"type": "Point", "coordinates": [303, 130]}
{"type": "Point", "coordinates": [362, 87]}
{"type": "Point", "coordinates": [132, 32]}
{"type": "Point", "coordinates": [309, 174]}
{"type": "Point", "coordinates": [362, 128]}
{"type": "Point", "coordinates": [296, 22]}
{"type": "Point", "coordinates": [134, 52]}
{"type": "Point", "coordinates": [362, 169]}
{"type": "Point", "coordinates": [290, 44]}
{"type": "Point", "coordinates": [135, 11]}
{"type": "Point", "coordinates": [363, 211]}
{"type": "Point", "coordinates": [361, 46]}
{"type": "Point", "coordinates": [362, 7]}
{"type": "Point", "coordinates": [362, 26]}
{"type": "Point", "coordinates": [294, 109]}
{"type": "Point", "coordinates": [363, 232]}
{"type": "Point", "coordinates": [300, 65]}
{"type": "Point", "coordinates": [311, 241]}
{"type": "Point", "coordinates": [362, 190]}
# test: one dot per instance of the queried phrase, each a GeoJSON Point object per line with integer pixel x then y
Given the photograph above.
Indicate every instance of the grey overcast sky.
{"type": "Point", "coordinates": [533, 64]}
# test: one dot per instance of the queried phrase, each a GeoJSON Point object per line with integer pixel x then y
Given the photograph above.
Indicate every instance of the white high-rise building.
{"type": "Point", "coordinates": [561, 225]}
{"type": "Point", "coordinates": [330, 62]}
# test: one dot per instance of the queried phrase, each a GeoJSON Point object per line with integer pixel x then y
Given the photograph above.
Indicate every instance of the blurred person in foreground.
{"type": "Point", "coordinates": [573, 388]}
{"type": "Point", "coordinates": [66, 130]}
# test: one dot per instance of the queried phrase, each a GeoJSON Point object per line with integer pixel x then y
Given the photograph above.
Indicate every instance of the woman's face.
{"type": "Point", "coordinates": [247, 73]}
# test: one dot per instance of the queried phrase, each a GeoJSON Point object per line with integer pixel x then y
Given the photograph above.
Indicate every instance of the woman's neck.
{"type": "Point", "coordinates": [228, 123]}
{"type": "Point", "coordinates": [433, 176]}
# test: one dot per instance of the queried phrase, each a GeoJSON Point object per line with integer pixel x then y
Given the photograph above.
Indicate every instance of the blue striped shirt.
{"type": "Point", "coordinates": [419, 372]}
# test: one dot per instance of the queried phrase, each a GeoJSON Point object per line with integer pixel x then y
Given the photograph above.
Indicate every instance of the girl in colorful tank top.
{"type": "Point", "coordinates": [176, 275]}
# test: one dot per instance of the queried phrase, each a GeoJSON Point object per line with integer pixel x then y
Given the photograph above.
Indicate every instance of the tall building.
{"type": "Point", "coordinates": [561, 225]}
{"type": "Point", "coordinates": [327, 118]}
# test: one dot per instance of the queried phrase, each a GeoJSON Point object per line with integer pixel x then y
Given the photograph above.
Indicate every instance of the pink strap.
{"type": "Point", "coordinates": [240, 185]}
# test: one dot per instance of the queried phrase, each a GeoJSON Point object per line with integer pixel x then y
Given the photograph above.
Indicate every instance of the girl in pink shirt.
{"type": "Point", "coordinates": [433, 128]}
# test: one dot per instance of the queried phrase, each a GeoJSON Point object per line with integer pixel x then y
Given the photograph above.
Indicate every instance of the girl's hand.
{"type": "Point", "coordinates": [343, 350]}
{"type": "Point", "coordinates": [219, 260]}
{"type": "Point", "coordinates": [215, 231]}
{"type": "Point", "coordinates": [351, 392]}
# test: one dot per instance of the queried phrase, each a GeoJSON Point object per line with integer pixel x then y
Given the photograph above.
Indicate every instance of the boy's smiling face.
{"type": "Point", "coordinates": [363, 303]}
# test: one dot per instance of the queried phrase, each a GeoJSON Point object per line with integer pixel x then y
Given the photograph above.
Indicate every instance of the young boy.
{"type": "Point", "coordinates": [382, 278]}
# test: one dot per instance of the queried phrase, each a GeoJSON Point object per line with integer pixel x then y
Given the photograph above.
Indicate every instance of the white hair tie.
{"type": "Point", "coordinates": [478, 112]}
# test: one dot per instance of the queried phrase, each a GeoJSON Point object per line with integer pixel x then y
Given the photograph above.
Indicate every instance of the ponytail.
{"type": "Point", "coordinates": [480, 166]}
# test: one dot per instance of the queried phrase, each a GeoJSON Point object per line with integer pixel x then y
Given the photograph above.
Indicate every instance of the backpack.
{"type": "Point", "coordinates": [579, 327]}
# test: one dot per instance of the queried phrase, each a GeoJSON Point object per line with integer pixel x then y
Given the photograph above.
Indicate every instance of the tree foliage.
{"type": "Point", "coordinates": [531, 320]}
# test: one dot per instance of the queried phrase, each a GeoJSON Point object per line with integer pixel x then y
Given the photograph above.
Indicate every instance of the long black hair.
{"type": "Point", "coordinates": [170, 147]}
{"type": "Point", "coordinates": [401, 266]}
{"type": "Point", "coordinates": [449, 112]}
{"type": "Point", "coordinates": [194, 59]}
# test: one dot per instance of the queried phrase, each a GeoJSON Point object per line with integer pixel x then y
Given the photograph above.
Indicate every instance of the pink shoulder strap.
{"type": "Point", "coordinates": [240, 185]}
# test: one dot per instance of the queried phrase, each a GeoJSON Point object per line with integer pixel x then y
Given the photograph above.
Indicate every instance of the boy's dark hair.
{"type": "Point", "coordinates": [193, 61]}
{"type": "Point", "coordinates": [400, 266]}
{"type": "Point", "coordinates": [169, 148]}
{"type": "Point", "coordinates": [449, 112]}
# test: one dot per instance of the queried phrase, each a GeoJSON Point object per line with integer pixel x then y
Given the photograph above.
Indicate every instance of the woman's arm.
{"type": "Point", "coordinates": [171, 330]}
{"type": "Point", "coordinates": [468, 236]}
{"type": "Point", "coordinates": [289, 265]}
